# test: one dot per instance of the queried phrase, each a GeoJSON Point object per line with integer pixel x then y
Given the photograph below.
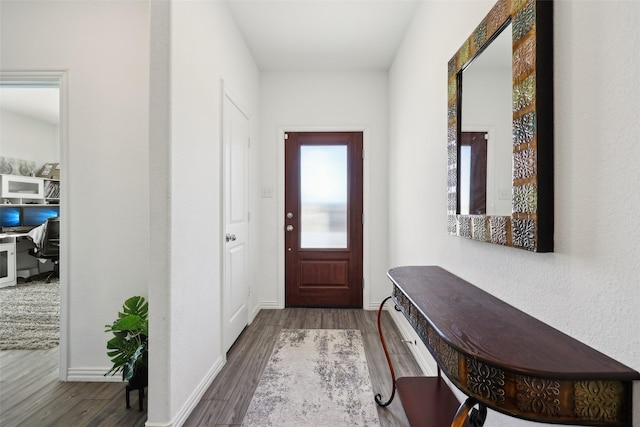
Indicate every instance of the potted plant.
{"type": "Point", "coordinates": [128, 349]}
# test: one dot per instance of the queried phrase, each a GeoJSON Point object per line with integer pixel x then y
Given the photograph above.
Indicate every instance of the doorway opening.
{"type": "Point", "coordinates": [32, 142]}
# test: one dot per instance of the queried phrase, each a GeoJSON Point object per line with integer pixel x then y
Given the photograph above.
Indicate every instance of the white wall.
{"type": "Point", "coordinates": [323, 101]}
{"type": "Point", "coordinates": [202, 47]}
{"type": "Point", "coordinates": [103, 46]}
{"type": "Point", "coordinates": [588, 287]}
{"type": "Point", "coordinates": [23, 137]}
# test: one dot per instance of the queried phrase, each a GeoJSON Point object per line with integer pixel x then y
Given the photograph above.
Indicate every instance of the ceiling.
{"type": "Point", "coordinates": [285, 35]}
{"type": "Point", "coordinates": [323, 35]}
{"type": "Point", "coordinates": [40, 103]}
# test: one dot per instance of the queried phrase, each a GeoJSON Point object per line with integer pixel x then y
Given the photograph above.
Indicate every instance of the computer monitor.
{"type": "Point", "coordinates": [33, 216]}
{"type": "Point", "coordinates": [10, 216]}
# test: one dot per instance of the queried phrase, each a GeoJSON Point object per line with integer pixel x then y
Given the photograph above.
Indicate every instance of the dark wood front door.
{"type": "Point", "coordinates": [323, 219]}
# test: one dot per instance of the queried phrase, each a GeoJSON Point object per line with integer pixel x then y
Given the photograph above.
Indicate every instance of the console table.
{"type": "Point", "coordinates": [501, 358]}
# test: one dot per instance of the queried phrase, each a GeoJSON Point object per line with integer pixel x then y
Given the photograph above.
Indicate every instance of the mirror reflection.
{"type": "Point", "coordinates": [486, 152]}
{"type": "Point", "coordinates": [518, 192]}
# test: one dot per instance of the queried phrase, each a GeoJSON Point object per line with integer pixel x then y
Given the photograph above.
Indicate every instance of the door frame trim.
{"type": "Point", "coordinates": [366, 257]}
{"type": "Point", "coordinates": [60, 78]}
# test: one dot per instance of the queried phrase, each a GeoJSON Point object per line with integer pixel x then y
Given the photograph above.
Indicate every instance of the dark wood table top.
{"type": "Point", "coordinates": [480, 325]}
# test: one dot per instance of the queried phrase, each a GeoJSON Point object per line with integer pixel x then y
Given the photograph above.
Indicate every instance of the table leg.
{"type": "Point", "coordinates": [378, 397]}
{"type": "Point", "coordinates": [477, 416]}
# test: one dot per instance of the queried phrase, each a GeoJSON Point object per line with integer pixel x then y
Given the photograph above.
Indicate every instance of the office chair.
{"type": "Point", "coordinates": [50, 248]}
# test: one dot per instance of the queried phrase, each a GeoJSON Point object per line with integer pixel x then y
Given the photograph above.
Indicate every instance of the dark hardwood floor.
{"type": "Point", "coordinates": [31, 395]}
{"type": "Point", "coordinates": [227, 399]}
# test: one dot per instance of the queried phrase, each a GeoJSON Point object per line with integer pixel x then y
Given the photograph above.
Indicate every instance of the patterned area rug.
{"type": "Point", "coordinates": [30, 316]}
{"type": "Point", "coordinates": [315, 377]}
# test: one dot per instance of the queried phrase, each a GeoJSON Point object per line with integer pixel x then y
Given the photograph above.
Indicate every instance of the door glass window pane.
{"type": "Point", "coordinates": [323, 196]}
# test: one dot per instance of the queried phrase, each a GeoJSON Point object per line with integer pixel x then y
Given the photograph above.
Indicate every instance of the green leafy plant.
{"type": "Point", "coordinates": [128, 349]}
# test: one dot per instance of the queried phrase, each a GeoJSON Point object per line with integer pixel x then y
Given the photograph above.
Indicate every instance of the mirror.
{"type": "Point", "coordinates": [500, 165]}
{"type": "Point", "coordinates": [485, 141]}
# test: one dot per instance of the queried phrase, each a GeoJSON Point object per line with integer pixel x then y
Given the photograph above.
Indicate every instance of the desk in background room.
{"type": "Point", "coordinates": [15, 260]}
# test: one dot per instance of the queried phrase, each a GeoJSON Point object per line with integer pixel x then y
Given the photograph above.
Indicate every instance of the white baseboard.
{"type": "Point", "coordinates": [269, 305]}
{"type": "Point", "coordinates": [373, 306]}
{"type": "Point", "coordinates": [420, 352]}
{"type": "Point", "coordinates": [266, 305]}
{"type": "Point", "coordinates": [97, 375]}
{"type": "Point", "coordinates": [92, 375]}
{"type": "Point", "coordinates": [418, 349]}
{"type": "Point", "coordinates": [194, 399]}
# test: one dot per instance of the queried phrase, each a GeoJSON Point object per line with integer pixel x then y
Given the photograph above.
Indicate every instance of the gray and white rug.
{"type": "Point", "coordinates": [315, 377]}
{"type": "Point", "coordinates": [30, 316]}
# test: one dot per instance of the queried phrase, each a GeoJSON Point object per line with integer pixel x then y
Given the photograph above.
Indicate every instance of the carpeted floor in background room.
{"type": "Point", "coordinates": [30, 315]}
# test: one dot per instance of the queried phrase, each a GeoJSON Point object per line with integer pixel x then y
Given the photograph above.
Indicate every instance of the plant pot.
{"type": "Point", "coordinates": [140, 378]}
{"type": "Point", "coordinates": [138, 382]}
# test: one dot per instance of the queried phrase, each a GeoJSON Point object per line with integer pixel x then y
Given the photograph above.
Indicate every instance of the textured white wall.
{"type": "Point", "coordinates": [103, 46]}
{"type": "Point", "coordinates": [203, 46]}
{"type": "Point", "coordinates": [588, 287]}
{"type": "Point", "coordinates": [323, 101]}
{"type": "Point", "coordinates": [159, 410]}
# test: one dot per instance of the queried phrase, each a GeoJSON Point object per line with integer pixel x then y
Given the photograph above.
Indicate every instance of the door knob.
{"type": "Point", "coordinates": [227, 237]}
{"type": "Point", "coordinates": [289, 215]}
{"type": "Point", "coordinates": [289, 227]}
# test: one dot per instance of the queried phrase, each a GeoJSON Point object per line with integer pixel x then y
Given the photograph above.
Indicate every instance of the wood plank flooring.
{"type": "Point", "coordinates": [31, 395]}
{"type": "Point", "coordinates": [227, 399]}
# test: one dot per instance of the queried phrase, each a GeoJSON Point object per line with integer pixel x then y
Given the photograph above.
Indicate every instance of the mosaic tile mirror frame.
{"type": "Point", "coordinates": [530, 225]}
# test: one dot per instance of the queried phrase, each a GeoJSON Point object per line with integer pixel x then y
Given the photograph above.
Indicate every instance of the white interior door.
{"type": "Point", "coordinates": [236, 227]}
